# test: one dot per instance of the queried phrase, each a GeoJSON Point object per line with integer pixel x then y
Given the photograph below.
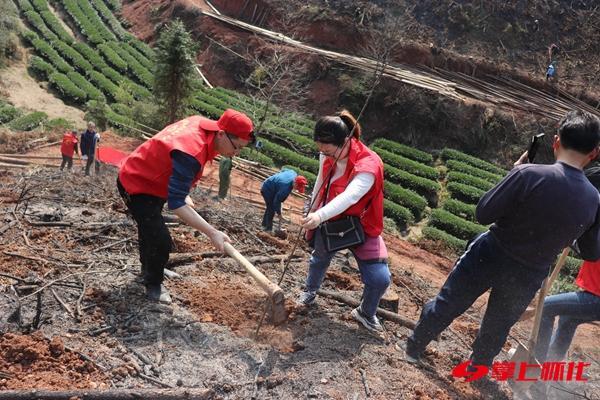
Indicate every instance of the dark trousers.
{"type": "Point", "coordinates": [68, 161]}
{"type": "Point", "coordinates": [483, 266]}
{"type": "Point", "coordinates": [267, 221]}
{"type": "Point", "coordinates": [88, 164]}
{"type": "Point", "coordinates": [154, 239]}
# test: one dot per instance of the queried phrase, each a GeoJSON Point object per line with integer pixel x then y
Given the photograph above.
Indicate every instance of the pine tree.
{"type": "Point", "coordinates": [174, 74]}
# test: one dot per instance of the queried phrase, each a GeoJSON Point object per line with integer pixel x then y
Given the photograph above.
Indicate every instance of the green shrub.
{"type": "Point", "coordinates": [109, 18]}
{"type": "Point", "coordinates": [118, 121]}
{"type": "Point", "coordinates": [310, 177]}
{"type": "Point", "coordinates": [257, 156]}
{"type": "Point", "coordinates": [149, 64]}
{"type": "Point", "coordinates": [459, 166]}
{"type": "Point", "coordinates": [104, 84]}
{"type": "Point", "coordinates": [139, 92]}
{"type": "Point", "coordinates": [94, 19]}
{"type": "Point", "coordinates": [59, 124]}
{"type": "Point", "coordinates": [206, 109]}
{"type": "Point", "coordinates": [113, 75]}
{"type": "Point", "coordinates": [406, 164]}
{"type": "Point", "coordinates": [38, 23]}
{"type": "Point", "coordinates": [143, 48]}
{"type": "Point", "coordinates": [68, 89]}
{"type": "Point", "coordinates": [452, 242]}
{"type": "Point", "coordinates": [86, 27]}
{"type": "Point", "coordinates": [54, 24]}
{"type": "Point", "coordinates": [403, 150]}
{"type": "Point", "coordinates": [469, 180]}
{"type": "Point", "coordinates": [24, 5]}
{"type": "Point", "coordinates": [288, 138]}
{"type": "Point", "coordinates": [451, 154]}
{"type": "Point", "coordinates": [8, 113]}
{"type": "Point", "coordinates": [29, 36]}
{"type": "Point", "coordinates": [70, 53]}
{"type": "Point", "coordinates": [138, 70]}
{"type": "Point", "coordinates": [284, 156]}
{"type": "Point", "coordinates": [90, 55]}
{"type": "Point", "coordinates": [400, 215]}
{"type": "Point", "coordinates": [456, 226]}
{"type": "Point", "coordinates": [406, 198]}
{"type": "Point", "coordinates": [52, 55]}
{"type": "Point", "coordinates": [114, 5]}
{"type": "Point", "coordinates": [112, 57]}
{"type": "Point", "coordinates": [29, 121]}
{"type": "Point", "coordinates": [465, 193]}
{"type": "Point", "coordinates": [41, 68]}
{"type": "Point", "coordinates": [90, 90]}
{"type": "Point", "coordinates": [460, 209]}
{"type": "Point", "coordinates": [423, 186]}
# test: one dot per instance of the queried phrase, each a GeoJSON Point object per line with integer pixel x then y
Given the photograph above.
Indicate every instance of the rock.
{"type": "Point", "coordinates": [324, 381]}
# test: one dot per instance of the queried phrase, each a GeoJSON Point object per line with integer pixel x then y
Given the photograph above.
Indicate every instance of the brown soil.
{"type": "Point", "coordinates": [32, 361]}
{"type": "Point", "coordinates": [25, 92]}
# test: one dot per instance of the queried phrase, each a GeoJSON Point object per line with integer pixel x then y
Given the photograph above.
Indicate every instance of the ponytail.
{"type": "Point", "coordinates": [350, 122]}
{"type": "Point", "coordinates": [334, 129]}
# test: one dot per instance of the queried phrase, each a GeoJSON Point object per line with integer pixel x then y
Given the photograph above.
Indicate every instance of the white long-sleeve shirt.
{"type": "Point", "coordinates": [356, 189]}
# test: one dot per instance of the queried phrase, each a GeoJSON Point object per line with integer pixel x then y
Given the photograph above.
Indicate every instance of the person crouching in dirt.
{"type": "Point", "coordinates": [349, 184]}
{"type": "Point", "coordinates": [164, 169]}
{"type": "Point", "coordinates": [67, 148]}
{"type": "Point", "coordinates": [275, 190]}
{"type": "Point", "coordinates": [89, 146]}
{"type": "Point", "coordinates": [535, 211]}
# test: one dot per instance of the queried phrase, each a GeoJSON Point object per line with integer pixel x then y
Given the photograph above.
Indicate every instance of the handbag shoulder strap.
{"type": "Point", "coordinates": [331, 172]}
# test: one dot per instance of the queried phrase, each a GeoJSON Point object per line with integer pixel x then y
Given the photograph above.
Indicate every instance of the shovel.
{"type": "Point", "coordinates": [277, 312]}
{"type": "Point", "coordinates": [526, 353]}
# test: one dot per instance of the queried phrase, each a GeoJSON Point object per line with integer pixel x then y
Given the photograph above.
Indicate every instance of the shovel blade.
{"type": "Point", "coordinates": [523, 355]}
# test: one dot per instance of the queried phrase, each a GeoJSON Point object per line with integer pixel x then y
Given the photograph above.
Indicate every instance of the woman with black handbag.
{"type": "Point", "coordinates": [347, 212]}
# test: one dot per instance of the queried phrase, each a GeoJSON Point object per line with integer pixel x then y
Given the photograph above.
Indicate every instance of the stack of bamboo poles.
{"type": "Point", "coordinates": [501, 92]}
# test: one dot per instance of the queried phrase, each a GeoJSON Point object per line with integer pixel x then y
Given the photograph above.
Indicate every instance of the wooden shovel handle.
{"type": "Point", "coordinates": [274, 291]}
{"type": "Point", "coordinates": [542, 295]}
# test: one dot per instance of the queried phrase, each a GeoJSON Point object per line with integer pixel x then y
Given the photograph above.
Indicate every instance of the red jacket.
{"type": "Point", "coordinates": [370, 207]}
{"type": "Point", "coordinates": [589, 277]}
{"type": "Point", "coordinates": [147, 170]}
{"type": "Point", "coordinates": [69, 143]}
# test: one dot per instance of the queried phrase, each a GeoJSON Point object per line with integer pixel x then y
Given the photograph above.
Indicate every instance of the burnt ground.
{"type": "Point", "coordinates": [74, 313]}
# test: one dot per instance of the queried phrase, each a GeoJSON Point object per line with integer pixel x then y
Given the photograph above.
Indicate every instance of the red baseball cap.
{"type": "Point", "coordinates": [232, 121]}
{"type": "Point", "coordinates": [301, 183]}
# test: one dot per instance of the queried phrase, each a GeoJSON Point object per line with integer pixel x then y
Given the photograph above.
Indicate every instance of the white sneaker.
{"type": "Point", "coordinates": [371, 324]}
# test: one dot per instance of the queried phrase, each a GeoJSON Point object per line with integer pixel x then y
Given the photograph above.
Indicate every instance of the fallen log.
{"type": "Point", "coordinates": [380, 311]}
{"type": "Point", "coordinates": [112, 394]}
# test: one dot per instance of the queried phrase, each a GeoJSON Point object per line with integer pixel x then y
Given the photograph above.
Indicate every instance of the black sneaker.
{"type": "Point", "coordinates": [371, 324]}
{"type": "Point", "coordinates": [158, 293]}
{"type": "Point", "coordinates": [307, 298]}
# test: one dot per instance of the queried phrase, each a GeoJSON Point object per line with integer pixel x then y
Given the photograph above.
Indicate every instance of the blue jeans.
{"type": "Point", "coordinates": [267, 221]}
{"type": "Point", "coordinates": [573, 309]}
{"type": "Point", "coordinates": [375, 276]}
{"type": "Point", "coordinates": [483, 266]}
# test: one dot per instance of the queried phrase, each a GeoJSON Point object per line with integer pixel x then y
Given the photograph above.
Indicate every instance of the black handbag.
{"type": "Point", "coordinates": [341, 233]}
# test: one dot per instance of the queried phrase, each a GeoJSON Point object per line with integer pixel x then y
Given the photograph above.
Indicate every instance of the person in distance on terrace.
{"type": "Point", "coordinates": [349, 183]}
{"type": "Point", "coordinates": [535, 212]}
{"type": "Point", "coordinates": [67, 148]}
{"type": "Point", "coordinates": [90, 140]}
{"type": "Point", "coordinates": [164, 169]}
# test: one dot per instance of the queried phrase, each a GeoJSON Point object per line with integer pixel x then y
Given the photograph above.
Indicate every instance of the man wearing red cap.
{"type": "Point", "coordinates": [275, 190]}
{"type": "Point", "coordinates": [164, 169]}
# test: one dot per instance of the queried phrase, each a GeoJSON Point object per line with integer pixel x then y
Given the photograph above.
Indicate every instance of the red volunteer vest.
{"type": "Point", "coordinates": [67, 146]}
{"type": "Point", "coordinates": [360, 159]}
{"type": "Point", "coordinates": [147, 170]}
{"type": "Point", "coordinates": [589, 277]}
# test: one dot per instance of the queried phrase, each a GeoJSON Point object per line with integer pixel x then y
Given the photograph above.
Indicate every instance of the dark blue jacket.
{"type": "Point", "coordinates": [276, 188]}
{"type": "Point", "coordinates": [88, 143]}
